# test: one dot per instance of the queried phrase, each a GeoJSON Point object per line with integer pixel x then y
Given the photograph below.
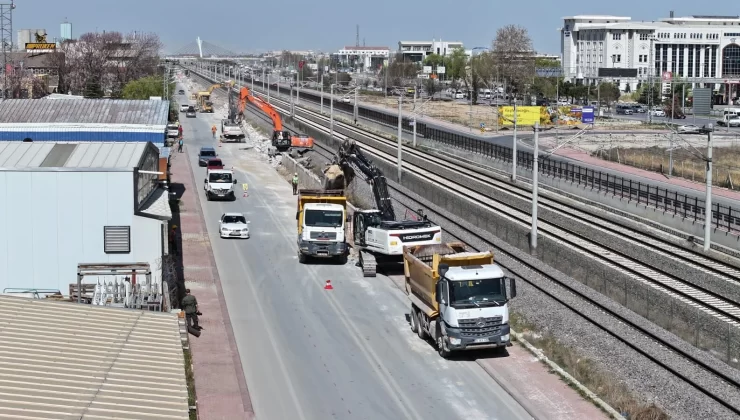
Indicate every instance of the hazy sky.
{"type": "Point", "coordinates": [330, 24]}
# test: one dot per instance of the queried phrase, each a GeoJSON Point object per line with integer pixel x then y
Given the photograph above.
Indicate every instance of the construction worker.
{"type": "Point", "coordinates": [213, 130]}
{"type": "Point", "coordinates": [190, 306]}
{"type": "Point", "coordinates": [295, 183]}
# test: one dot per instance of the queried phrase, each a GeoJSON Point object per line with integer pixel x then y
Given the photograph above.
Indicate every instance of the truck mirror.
{"type": "Point", "coordinates": [443, 269]}
{"type": "Point", "coordinates": [235, 182]}
{"type": "Point", "coordinates": [513, 287]}
{"type": "Point", "coordinates": [297, 214]}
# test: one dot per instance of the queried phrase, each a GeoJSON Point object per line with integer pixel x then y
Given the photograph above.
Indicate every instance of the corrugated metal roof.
{"type": "Point", "coordinates": [100, 111]}
{"type": "Point", "coordinates": [66, 360]}
{"type": "Point", "coordinates": [102, 155]}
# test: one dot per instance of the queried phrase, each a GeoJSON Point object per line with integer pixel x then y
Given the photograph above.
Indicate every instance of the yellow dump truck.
{"type": "Point", "coordinates": [321, 216]}
{"type": "Point", "coordinates": [458, 298]}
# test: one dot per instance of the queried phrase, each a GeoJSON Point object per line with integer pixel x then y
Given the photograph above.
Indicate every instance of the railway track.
{"type": "Point", "coordinates": [679, 289]}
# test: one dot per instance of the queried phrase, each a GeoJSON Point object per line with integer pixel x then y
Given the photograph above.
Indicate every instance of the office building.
{"type": "Point", "coordinates": [702, 50]}
{"type": "Point", "coordinates": [65, 31]}
{"type": "Point", "coordinates": [416, 51]}
{"type": "Point", "coordinates": [361, 57]}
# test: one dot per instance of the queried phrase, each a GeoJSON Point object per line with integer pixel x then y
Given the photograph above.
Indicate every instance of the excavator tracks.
{"type": "Point", "coordinates": [368, 263]}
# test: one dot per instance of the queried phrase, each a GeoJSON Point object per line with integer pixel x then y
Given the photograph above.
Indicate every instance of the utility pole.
{"type": "Point", "coordinates": [708, 200]}
{"type": "Point", "coordinates": [322, 93]}
{"type": "Point", "coordinates": [400, 140]}
{"type": "Point", "coordinates": [414, 120]}
{"type": "Point", "coordinates": [651, 69]}
{"type": "Point", "coordinates": [268, 88]}
{"type": "Point", "coordinates": [535, 173]}
{"type": "Point", "coordinates": [513, 148]}
{"type": "Point", "coordinates": [292, 107]}
{"type": "Point", "coordinates": [355, 110]}
{"type": "Point", "coordinates": [331, 112]}
{"type": "Point", "coordinates": [670, 156]}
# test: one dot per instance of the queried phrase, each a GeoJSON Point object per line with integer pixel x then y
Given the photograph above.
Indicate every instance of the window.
{"type": "Point", "coordinates": [117, 239]}
{"type": "Point", "coordinates": [616, 37]}
{"type": "Point", "coordinates": [618, 58]}
{"type": "Point", "coordinates": [644, 37]}
{"type": "Point", "coordinates": [731, 61]}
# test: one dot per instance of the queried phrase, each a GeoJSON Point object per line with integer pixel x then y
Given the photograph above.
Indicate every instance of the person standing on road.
{"type": "Point", "coordinates": [295, 183]}
{"type": "Point", "coordinates": [179, 130]}
{"type": "Point", "coordinates": [173, 239]}
{"type": "Point", "coordinates": [190, 306]}
{"type": "Point", "coordinates": [213, 130]}
{"type": "Point", "coordinates": [179, 145]}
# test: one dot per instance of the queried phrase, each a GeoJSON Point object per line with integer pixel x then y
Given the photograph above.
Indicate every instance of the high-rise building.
{"type": "Point", "coordinates": [65, 31]}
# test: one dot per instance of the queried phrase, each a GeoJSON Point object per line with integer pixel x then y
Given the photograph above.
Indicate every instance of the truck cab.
{"type": "Point", "coordinates": [219, 184]}
{"type": "Point", "coordinates": [321, 217]}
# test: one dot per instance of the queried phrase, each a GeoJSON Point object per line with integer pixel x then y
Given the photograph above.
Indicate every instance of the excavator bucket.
{"type": "Point", "coordinates": [333, 178]}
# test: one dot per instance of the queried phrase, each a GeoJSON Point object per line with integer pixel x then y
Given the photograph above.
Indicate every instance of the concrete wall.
{"type": "Point", "coordinates": [52, 221]}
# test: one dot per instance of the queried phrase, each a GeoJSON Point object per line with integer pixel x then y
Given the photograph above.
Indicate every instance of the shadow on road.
{"type": "Point", "coordinates": [177, 283]}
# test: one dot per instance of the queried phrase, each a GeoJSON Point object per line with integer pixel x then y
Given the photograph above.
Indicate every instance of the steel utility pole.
{"type": "Point", "coordinates": [322, 94]}
{"type": "Point", "coordinates": [414, 121]}
{"type": "Point", "coordinates": [355, 113]}
{"type": "Point", "coordinates": [268, 88]}
{"type": "Point", "coordinates": [400, 133]}
{"type": "Point", "coordinates": [708, 200]}
{"type": "Point", "coordinates": [331, 112]}
{"type": "Point", "coordinates": [6, 38]}
{"type": "Point", "coordinates": [535, 174]}
{"type": "Point", "coordinates": [513, 148]}
{"type": "Point", "coordinates": [292, 107]}
{"type": "Point", "coordinates": [263, 79]}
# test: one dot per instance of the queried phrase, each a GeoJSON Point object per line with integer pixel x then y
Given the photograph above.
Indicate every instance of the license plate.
{"type": "Point", "coordinates": [236, 234]}
{"type": "Point", "coordinates": [481, 340]}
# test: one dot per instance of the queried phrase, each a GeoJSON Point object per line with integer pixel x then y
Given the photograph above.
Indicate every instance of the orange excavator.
{"type": "Point", "coordinates": [282, 140]}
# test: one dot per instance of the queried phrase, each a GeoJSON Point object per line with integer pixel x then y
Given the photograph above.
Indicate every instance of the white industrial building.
{"type": "Point", "coordinates": [361, 57]}
{"type": "Point", "coordinates": [703, 50]}
{"type": "Point", "coordinates": [416, 51]}
{"type": "Point", "coordinates": [64, 204]}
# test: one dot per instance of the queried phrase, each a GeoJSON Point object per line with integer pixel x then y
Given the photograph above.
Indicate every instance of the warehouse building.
{"type": "Point", "coordinates": [64, 204]}
{"type": "Point", "coordinates": [64, 120]}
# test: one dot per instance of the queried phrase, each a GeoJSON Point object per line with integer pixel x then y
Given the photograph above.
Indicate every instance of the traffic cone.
{"type": "Point", "coordinates": [245, 195]}
{"type": "Point", "coordinates": [328, 285]}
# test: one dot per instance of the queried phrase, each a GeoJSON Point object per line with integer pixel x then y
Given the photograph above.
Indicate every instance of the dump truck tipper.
{"type": "Point", "coordinates": [321, 216]}
{"type": "Point", "coordinates": [458, 298]}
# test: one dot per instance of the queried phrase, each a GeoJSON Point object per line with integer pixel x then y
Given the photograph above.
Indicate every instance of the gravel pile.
{"type": "Point", "coordinates": [645, 378]}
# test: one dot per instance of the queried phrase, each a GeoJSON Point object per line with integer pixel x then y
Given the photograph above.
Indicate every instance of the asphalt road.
{"type": "Point", "coordinates": [310, 353]}
{"type": "Point", "coordinates": [689, 120]}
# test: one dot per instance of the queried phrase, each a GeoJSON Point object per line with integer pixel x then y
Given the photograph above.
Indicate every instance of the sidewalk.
{"type": "Point", "coordinates": [220, 386]}
{"type": "Point", "coordinates": [585, 157]}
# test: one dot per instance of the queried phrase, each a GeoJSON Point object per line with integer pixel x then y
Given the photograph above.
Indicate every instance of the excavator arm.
{"type": "Point", "coordinates": [280, 139]}
{"type": "Point", "coordinates": [351, 159]}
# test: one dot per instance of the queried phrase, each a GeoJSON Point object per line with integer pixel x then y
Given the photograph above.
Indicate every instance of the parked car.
{"type": "Point", "coordinates": [657, 113]}
{"type": "Point", "coordinates": [233, 225]}
{"type": "Point", "coordinates": [173, 131]}
{"type": "Point", "coordinates": [688, 129]}
{"type": "Point", "coordinates": [205, 154]}
{"type": "Point", "coordinates": [190, 113]}
{"type": "Point", "coordinates": [184, 107]}
{"type": "Point", "coordinates": [345, 99]}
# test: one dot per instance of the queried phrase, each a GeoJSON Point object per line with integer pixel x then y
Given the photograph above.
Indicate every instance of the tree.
{"type": "Point", "coordinates": [455, 64]}
{"type": "Point", "coordinates": [545, 87]}
{"type": "Point", "coordinates": [546, 63]}
{"type": "Point", "coordinates": [145, 87]}
{"type": "Point", "coordinates": [609, 92]}
{"type": "Point", "coordinates": [399, 71]}
{"type": "Point", "coordinates": [434, 60]}
{"type": "Point", "coordinates": [645, 94]}
{"type": "Point", "coordinates": [431, 86]}
{"type": "Point", "coordinates": [514, 56]}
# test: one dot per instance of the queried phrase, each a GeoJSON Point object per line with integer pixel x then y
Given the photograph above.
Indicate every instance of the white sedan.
{"type": "Point", "coordinates": [688, 129]}
{"type": "Point", "coordinates": [233, 225]}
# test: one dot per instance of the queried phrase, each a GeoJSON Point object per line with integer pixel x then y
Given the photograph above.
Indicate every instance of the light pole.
{"type": "Point", "coordinates": [400, 133]}
{"type": "Point", "coordinates": [708, 200]}
{"type": "Point", "coordinates": [263, 79]}
{"type": "Point", "coordinates": [268, 88]}
{"type": "Point", "coordinates": [322, 93]}
{"type": "Point", "coordinates": [292, 107]}
{"type": "Point", "coordinates": [535, 173]}
{"type": "Point", "coordinates": [357, 89]}
{"type": "Point", "coordinates": [513, 147]}
{"type": "Point", "coordinates": [331, 112]}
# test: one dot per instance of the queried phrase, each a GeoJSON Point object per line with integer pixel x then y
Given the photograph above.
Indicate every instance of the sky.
{"type": "Point", "coordinates": [328, 25]}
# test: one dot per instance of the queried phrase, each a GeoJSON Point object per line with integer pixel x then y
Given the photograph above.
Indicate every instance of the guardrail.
{"type": "Point", "coordinates": [690, 208]}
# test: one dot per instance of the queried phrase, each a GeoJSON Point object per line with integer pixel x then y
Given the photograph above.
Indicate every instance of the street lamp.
{"type": "Point", "coordinates": [322, 93]}
{"type": "Point", "coordinates": [400, 134]}
{"type": "Point", "coordinates": [331, 112]}
{"type": "Point", "coordinates": [535, 192]}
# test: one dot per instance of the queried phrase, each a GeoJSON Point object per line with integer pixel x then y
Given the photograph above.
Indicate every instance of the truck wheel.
{"type": "Point", "coordinates": [420, 327]}
{"type": "Point", "coordinates": [414, 320]}
{"type": "Point", "coordinates": [343, 259]}
{"type": "Point", "coordinates": [301, 258]}
{"type": "Point", "coordinates": [441, 346]}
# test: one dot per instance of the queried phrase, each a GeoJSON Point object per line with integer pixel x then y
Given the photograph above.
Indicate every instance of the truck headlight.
{"type": "Point", "coordinates": [455, 341]}
{"type": "Point", "coordinates": [505, 337]}
{"type": "Point", "coordinates": [394, 243]}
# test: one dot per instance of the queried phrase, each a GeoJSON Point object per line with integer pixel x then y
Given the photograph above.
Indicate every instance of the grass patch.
{"type": "Point", "coordinates": [606, 386]}
{"type": "Point", "coordinates": [190, 380]}
{"type": "Point", "coordinates": [686, 163]}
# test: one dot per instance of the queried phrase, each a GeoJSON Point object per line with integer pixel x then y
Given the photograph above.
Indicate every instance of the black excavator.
{"type": "Point", "coordinates": [376, 233]}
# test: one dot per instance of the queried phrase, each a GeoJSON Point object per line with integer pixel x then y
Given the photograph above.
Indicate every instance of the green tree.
{"type": "Point", "coordinates": [434, 60]}
{"type": "Point", "coordinates": [546, 63]}
{"type": "Point", "coordinates": [146, 87]}
{"type": "Point", "coordinates": [545, 86]}
{"type": "Point", "coordinates": [455, 64]}
{"type": "Point", "coordinates": [93, 88]}
{"type": "Point", "coordinates": [431, 86]}
{"type": "Point", "coordinates": [609, 92]}
{"type": "Point", "coordinates": [645, 94]}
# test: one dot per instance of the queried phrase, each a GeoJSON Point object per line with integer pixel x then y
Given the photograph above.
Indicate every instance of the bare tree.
{"type": "Point", "coordinates": [399, 71]}
{"type": "Point", "coordinates": [513, 56]}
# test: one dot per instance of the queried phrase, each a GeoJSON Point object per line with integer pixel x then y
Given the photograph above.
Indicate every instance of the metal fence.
{"type": "Point", "coordinates": [690, 208]}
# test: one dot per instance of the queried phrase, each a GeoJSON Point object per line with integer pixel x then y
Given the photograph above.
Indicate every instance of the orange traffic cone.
{"type": "Point", "coordinates": [328, 285]}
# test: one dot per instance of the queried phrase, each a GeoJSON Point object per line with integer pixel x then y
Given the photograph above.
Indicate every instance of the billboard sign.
{"type": "Point", "coordinates": [587, 115]}
{"type": "Point", "coordinates": [667, 76]}
{"type": "Point", "coordinates": [440, 69]}
{"type": "Point", "coordinates": [613, 72]}
{"type": "Point", "coordinates": [427, 69]}
{"type": "Point", "coordinates": [40, 47]}
{"type": "Point", "coordinates": [525, 115]}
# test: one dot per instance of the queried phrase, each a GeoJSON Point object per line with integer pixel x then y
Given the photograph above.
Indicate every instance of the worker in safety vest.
{"type": "Point", "coordinates": [295, 183]}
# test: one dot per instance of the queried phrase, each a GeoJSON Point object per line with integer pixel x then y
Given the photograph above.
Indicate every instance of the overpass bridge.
{"type": "Point", "coordinates": [204, 50]}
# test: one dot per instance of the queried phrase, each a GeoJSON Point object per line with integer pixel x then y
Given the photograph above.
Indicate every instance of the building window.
{"type": "Point", "coordinates": [690, 66]}
{"type": "Point", "coordinates": [731, 60]}
{"type": "Point", "coordinates": [681, 60]}
{"type": "Point", "coordinates": [618, 58]}
{"type": "Point", "coordinates": [714, 61]}
{"type": "Point", "coordinates": [117, 239]}
{"type": "Point", "coordinates": [616, 37]}
{"type": "Point", "coordinates": [644, 37]}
